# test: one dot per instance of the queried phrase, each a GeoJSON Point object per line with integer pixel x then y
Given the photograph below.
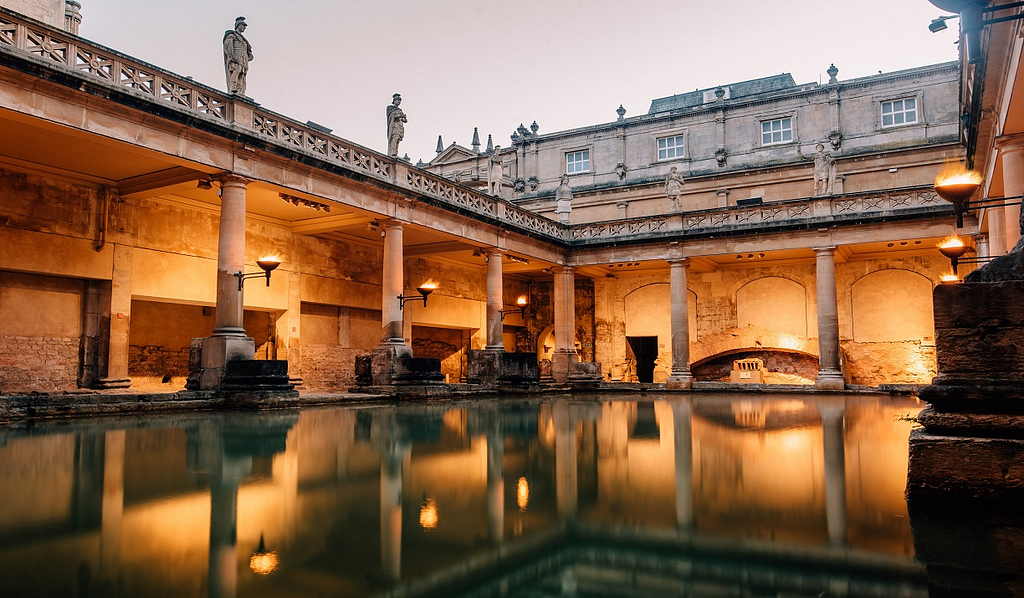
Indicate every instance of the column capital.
{"type": "Point", "coordinates": [1013, 142]}
{"type": "Point", "coordinates": [232, 180]}
{"type": "Point", "coordinates": [679, 261]}
{"type": "Point", "coordinates": [392, 223]}
{"type": "Point", "coordinates": [560, 269]}
{"type": "Point", "coordinates": [825, 249]}
{"type": "Point", "coordinates": [489, 251]}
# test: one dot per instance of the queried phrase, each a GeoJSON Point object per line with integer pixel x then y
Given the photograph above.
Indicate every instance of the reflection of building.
{"type": "Point", "coordinates": [119, 177]}
{"type": "Point", "coordinates": [439, 495]}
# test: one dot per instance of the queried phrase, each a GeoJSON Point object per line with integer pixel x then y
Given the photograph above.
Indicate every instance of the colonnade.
{"type": "Point", "coordinates": [229, 340]}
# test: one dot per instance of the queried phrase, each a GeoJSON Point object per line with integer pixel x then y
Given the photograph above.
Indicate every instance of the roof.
{"type": "Point", "coordinates": [736, 90]}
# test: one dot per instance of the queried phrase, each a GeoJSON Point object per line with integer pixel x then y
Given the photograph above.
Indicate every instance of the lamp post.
{"type": "Point", "coordinates": [522, 303]}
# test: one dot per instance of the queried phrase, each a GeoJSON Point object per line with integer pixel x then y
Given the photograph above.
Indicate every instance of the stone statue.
{"type": "Point", "coordinates": [673, 187]}
{"type": "Point", "coordinates": [620, 170]}
{"type": "Point", "coordinates": [396, 124]}
{"type": "Point", "coordinates": [824, 170]}
{"type": "Point", "coordinates": [494, 172]}
{"type": "Point", "coordinates": [563, 199]}
{"type": "Point", "coordinates": [237, 54]}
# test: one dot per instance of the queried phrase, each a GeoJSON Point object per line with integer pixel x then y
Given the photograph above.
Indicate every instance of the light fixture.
{"type": "Point", "coordinates": [205, 184]}
{"type": "Point", "coordinates": [424, 290]}
{"type": "Point", "coordinates": [263, 561]}
{"type": "Point", "coordinates": [956, 184]}
{"type": "Point", "coordinates": [972, 15]}
{"type": "Point", "coordinates": [268, 264]}
{"type": "Point", "coordinates": [522, 303]}
{"type": "Point", "coordinates": [939, 23]}
{"type": "Point", "coordinates": [953, 248]}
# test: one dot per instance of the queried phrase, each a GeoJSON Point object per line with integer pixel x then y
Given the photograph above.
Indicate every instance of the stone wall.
{"type": "Point", "coordinates": [328, 367]}
{"type": "Point", "coordinates": [444, 344]}
{"type": "Point", "coordinates": [906, 362]}
{"type": "Point", "coordinates": [38, 363]}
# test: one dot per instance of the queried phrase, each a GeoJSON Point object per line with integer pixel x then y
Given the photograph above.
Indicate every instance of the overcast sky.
{"type": "Point", "coordinates": [494, 65]}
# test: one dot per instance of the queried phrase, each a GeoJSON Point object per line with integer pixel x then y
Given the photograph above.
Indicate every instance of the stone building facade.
{"type": "Point", "coordinates": [119, 178]}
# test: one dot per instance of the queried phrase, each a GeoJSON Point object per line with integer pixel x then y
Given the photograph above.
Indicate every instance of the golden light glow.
{"type": "Point", "coordinates": [268, 263]}
{"type": "Point", "coordinates": [430, 284]}
{"type": "Point", "coordinates": [949, 277]}
{"type": "Point", "coordinates": [428, 514]}
{"type": "Point", "coordinates": [954, 173]}
{"type": "Point", "coordinates": [522, 494]}
{"type": "Point", "coordinates": [950, 242]}
{"type": "Point", "coordinates": [263, 563]}
{"type": "Point", "coordinates": [270, 258]}
{"type": "Point", "coordinates": [522, 301]}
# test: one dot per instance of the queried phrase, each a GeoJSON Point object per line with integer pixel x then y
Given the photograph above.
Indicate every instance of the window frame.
{"type": "Point", "coordinates": [792, 130]}
{"type": "Point", "coordinates": [565, 161]}
{"type": "Point", "coordinates": [680, 148]}
{"type": "Point", "coordinates": [892, 101]}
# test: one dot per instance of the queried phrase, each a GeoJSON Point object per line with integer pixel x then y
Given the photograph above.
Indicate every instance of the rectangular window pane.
{"type": "Point", "coordinates": [899, 112]}
{"type": "Point", "coordinates": [779, 130]}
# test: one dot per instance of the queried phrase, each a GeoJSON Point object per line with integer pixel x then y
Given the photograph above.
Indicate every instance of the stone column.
{"type": "Point", "coordinates": [228, 341]}
{"type": "Point", "coordinates": [835, 470]}
{"type": "Point", "coordinates": [981, 245]}
{"type": "Point", "coordinates": [681, 377]}
{"type": "Point", "coordinates": [393, 281]}
{"type": "Point", "coordinates": [996, 231]}
{"type": "Point", "coordinates": [682, 411]}
{"type": "Point", "coordinates": [830, 377]}
{"type": "Point", "coordinates": [1011, 150]}
{"type": "Point", "coordinates": [118, 309]}
{"type": "Point", "coordinates": [495, 342]}
{"type": "Point", "coordinates": [565, 323]}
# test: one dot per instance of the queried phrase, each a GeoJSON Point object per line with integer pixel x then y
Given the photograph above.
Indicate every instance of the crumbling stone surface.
{"type": "Point", "coordinates": [41, 364]}
{"type": "Point", "coordinates": [326, 367]}
{"type": "Point", "coordinates": [871, 364]}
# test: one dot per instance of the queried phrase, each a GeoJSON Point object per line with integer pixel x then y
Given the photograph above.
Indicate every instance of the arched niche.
{"type": "Point", "coordinates": [648, 312]}
{"type": "Point", "coordinates": [774, 303]}
{"type": "Point", "coordinates": [892, 305]}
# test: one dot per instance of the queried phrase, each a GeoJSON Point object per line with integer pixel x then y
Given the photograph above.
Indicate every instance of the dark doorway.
{"type": "Point", "coordinates": [645, 351]}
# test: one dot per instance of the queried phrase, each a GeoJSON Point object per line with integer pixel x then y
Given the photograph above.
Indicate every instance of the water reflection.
{"type": "Point", "coordinates": [725, 493]}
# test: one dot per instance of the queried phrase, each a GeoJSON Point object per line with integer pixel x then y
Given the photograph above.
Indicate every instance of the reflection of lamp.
{"type": "Point", "coordinates": [424, 290]}
{"type": "Point", "coordinates": [267, 264]}
{"type": "Point", "coordinates": [263, 561]}
{"type": "Point", "coordinates": [522, 303]}
{"type": "Point", "coordinates": [428, 513]}
{"type": "Point", "coordinates": [522, 494]}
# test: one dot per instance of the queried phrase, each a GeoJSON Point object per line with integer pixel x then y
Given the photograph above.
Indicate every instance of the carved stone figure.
{"type": "Point", "coordinates": [824, 171]}
{"type": "Point", "coordinates": [494, 173]}
{"type": "Point", "coordinates": [396, 124]}
{"type": "Point", "coordinates": [673, 187]}
{"type": "Point", "coordinates": [533, 182]}
{"type": "Point", "coordinates": [563, 199]}
{"type": "Point", "coordinates": [620, 170]}
{"type": "Point", "coordinates": [237, 54]}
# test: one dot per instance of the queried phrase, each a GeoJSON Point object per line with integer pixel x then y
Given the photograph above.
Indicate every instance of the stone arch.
{"type": "Point", "coordinates": [892, 305]}
{"type": "Point", "coordinates": [773, 302]}
{"type": "Point", "coordinates": [546, 343]}
{"type": "Point", "coordinates": [749, 338]}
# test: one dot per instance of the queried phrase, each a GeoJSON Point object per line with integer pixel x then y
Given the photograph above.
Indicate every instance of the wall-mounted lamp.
{"type": "Point", "coordinates": [956, 185]}
{"type": "Point", "coordinates": [267, 264]}
{"type": "Point", "coordinates": [522, 303]}
{"type": "Point", "coordinates": [953, 248]}
{"type": "Point", "coordinates": [424, 290]}
{"type": "Point", "coordinates": [972, 14]}
{"type": "Point", "coordinates": [205, 184]}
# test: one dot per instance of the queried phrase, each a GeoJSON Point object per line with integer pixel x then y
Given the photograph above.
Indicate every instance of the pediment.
{"type": "Point", "coordinates": [453, 153]}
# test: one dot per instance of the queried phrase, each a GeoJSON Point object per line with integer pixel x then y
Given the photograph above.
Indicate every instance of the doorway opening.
{"type": "Point", "coordinates": [644, 351]}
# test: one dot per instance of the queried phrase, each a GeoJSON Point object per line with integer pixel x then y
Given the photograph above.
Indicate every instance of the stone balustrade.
{"type": "Point", "coordinates": [64, 51]}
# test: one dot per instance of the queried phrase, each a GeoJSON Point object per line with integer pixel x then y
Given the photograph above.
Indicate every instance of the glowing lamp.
{"type": "Point", "coordinates": [267, 263]}
{"type": "Point", "coordinates": [522, 302]}
{"type": "Point", "coordinates": [956, 185]}
{"type": "Point", "coordinates": [424, 290]}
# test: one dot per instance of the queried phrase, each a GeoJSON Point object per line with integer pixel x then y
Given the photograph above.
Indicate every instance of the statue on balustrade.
{"type": "Point", "coordinates": [237, 54]}
{"type": "Point", "coordinates": [824, 170]}
{"type": "Point", "coordinates": [396, 124]}
{"type": "Point", "coordinates": [673, 188]}
{"type": "Point", "coordinates": [495, 172]}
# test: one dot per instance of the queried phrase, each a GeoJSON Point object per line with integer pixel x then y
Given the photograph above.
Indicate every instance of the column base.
{"type": "Point", "coordinates": [679, 381]}
{"type": "Point", "coordinates": [830, 380]}
{"type": "Point", "coordinates": [108, 383]}
{"type": "Point", "coordinates": [561, 365]}
{"type": "Point", "coordinates": [216, 352]}
{"type": "Point", "coordinates": [384, 362]}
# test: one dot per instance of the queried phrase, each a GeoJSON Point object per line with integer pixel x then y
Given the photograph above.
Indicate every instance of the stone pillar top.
{"type": "Point", "coordinates": [1011, 142]}
{"type": "Point", "coordinates": [685, 261]}
{"type": "Point", "coordinates": [824, 249]}
{"type": "Point", "coordinates": [230, 178]}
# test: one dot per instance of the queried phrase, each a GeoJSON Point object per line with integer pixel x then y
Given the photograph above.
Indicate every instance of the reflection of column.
{"type": "Point", "coordinates": [1011, 150]}
{"type": "Point", "coordinates": [230, 257]}
{"type": "Point", "coordinates": [565, 461]}
{"type": "Point", "coordinates": [391, 513]}
{"type": "Point", "coordinates": [495, 485]}
{"type": "Point", "coordinates": [495, 342]}
{"type": "Point", "coordinates": [682, 411]}
{"type": "Point", "coordinates": [87, 505]}
{"type": "Point", "coordinates": [830, 377]}
{"type": "Point", "coordinates": [565, 323]}
{"type": "Point", "coordinates": [393, 281]}
{"type": "Point", "coordinates": [680, 377]}
{"type": "Point", "coordinates": [835, 470]}
{"type": "Point", "coordinates": [227, 475]}
{"type": "Point", "coordinates": [113, 501]}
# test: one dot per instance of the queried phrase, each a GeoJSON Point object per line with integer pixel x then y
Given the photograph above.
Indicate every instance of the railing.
{"type": "Point", "coordinates": [777, 214]}
{"type": "Point", "coordinates": [113, 68]}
